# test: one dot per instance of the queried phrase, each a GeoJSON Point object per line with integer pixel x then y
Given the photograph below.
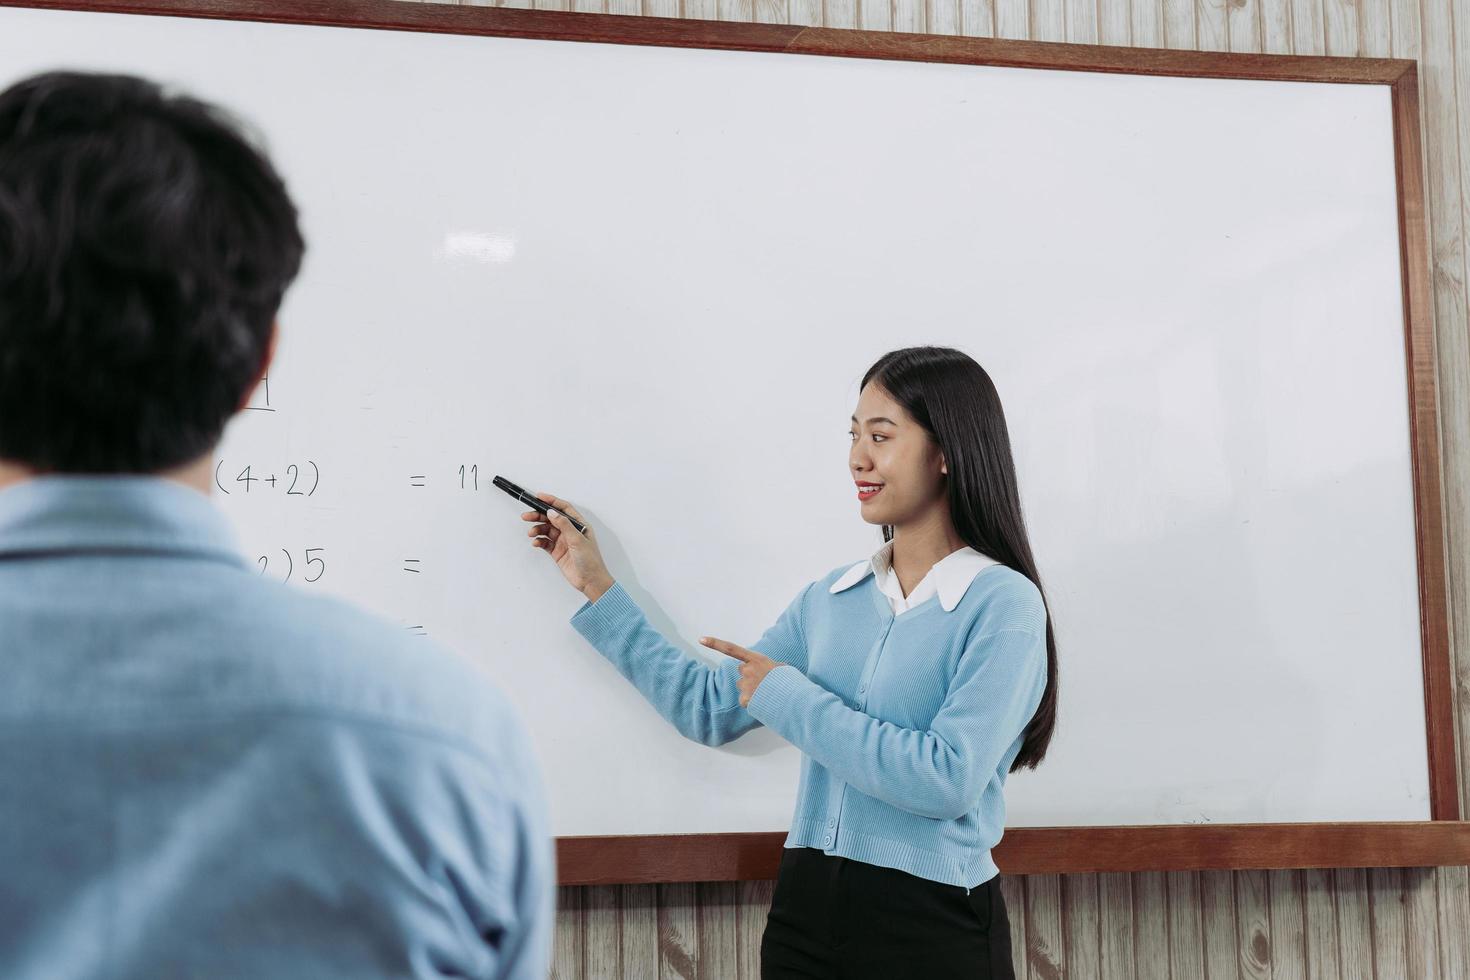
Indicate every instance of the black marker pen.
{"type": "Point", "coordinates": [531, 501]}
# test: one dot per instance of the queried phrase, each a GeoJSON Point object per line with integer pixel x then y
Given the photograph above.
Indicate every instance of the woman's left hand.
{"type": "Point", "coordinates": [753, 666]}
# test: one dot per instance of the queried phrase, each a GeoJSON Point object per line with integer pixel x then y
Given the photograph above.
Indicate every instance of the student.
{"type": "Point", "coordinates": [912, 682]}
{"type": "Point", "coordinates": [204, 773]}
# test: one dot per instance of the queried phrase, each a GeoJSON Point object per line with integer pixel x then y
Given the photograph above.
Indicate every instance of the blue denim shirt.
{"type": "Point", "coordinates": [207, 774]}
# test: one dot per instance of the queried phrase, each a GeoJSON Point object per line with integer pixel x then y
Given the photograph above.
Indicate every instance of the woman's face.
{"type": "Point", "coordinates": [891, 449]}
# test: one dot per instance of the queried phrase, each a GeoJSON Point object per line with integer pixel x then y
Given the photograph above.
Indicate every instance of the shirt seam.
{"type": "Point", "coordinates": [303, 713]}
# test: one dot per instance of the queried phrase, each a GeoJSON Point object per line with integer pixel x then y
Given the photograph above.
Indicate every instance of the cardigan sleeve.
{"type": "Point", "coordinates": [940, 772]}
{"type": "Point", "coordinates": [702, 702]}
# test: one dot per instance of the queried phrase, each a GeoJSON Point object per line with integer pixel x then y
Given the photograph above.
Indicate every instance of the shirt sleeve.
{"type": "Point", "coordinates": [523, 944]}
{"type": "Point", "coordinates": [448, 840]}
{"type": "Point", "coordinates": [940, 772]}
{"type": "Point", "coordinates": [702, 702]}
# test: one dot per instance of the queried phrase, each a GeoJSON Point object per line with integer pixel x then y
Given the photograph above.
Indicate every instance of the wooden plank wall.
{"type": "Point", "coordinates": [1394, 924]}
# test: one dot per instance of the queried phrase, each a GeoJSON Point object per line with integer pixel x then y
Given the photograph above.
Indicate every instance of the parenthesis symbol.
{"type": "Point", "coordinates": [216, 478]}
{"type": "Point", "coordinates": [288, 563]}
{"type": "Point", "coordinates": [318, 473]}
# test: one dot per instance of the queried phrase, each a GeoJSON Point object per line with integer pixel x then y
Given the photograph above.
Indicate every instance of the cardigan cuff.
{"type": "Point", "coordinates": [774, 694]}
{"type": "Point", "coordinates": [595, 620]}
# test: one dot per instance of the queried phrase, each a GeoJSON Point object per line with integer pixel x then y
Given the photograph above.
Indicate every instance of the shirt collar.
{"type": "Point", "coordinates": [954, 572]}
{"type": "Point", "coordinates": [131, 514]}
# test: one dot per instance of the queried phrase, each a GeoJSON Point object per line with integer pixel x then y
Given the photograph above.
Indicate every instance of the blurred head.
{"type": "Point", "coordinates": [145, 247]}
{"type": "Point", "coordinates": [929, 427]}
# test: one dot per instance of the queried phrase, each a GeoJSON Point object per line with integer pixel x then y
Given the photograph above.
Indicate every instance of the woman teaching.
{"type": "Point", "coordinates": [913, 682]}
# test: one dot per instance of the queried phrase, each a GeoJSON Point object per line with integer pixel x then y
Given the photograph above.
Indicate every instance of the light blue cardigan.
{"type": "Point", "coordinates": [908, 723]}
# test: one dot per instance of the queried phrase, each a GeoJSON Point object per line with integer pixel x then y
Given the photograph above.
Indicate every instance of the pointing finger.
{"type": "Point", "coordinates": [727, 648]}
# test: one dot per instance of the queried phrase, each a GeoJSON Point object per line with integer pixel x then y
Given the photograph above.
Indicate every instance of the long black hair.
{"type": "Point", "coordinates": [952, 397]}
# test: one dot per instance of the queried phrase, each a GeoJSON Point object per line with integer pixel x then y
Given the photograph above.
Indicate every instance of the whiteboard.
{"type": "Point", "coordinates": [649, 280]}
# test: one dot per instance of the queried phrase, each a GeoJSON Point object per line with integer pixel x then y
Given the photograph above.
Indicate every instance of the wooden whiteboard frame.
{"type": "Point", "coordinates": [1442, 840]}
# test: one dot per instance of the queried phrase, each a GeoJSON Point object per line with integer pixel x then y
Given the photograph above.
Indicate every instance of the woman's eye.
{"type": "Point", "coordinates": [881, 438]}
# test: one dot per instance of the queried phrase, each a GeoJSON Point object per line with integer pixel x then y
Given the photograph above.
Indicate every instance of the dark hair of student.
{"type": "Point", "coordinates": [145, 246]}
{"type": "Point", "coordinates": [952, 397]}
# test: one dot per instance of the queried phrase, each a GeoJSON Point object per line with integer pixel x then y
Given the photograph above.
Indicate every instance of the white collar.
{"type": "Point", "coordinates": [954, 572]}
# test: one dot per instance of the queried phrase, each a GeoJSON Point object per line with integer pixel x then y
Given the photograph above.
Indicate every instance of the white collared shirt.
{"type": "Point", "coordinates": [950, 578]}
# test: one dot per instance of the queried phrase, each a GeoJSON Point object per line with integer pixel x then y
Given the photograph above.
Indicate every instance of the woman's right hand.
{"type": "Point", "coordinates": [575, 553]}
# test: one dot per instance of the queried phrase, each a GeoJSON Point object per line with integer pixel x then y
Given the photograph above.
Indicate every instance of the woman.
{"type": "Point", "coordinates": [913, 682]}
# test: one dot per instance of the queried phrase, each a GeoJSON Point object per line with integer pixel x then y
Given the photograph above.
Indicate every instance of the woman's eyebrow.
{"type": "Point", "coordinates": [874, 421]}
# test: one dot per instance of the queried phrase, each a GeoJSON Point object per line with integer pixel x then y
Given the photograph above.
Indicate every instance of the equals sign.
{"type": "Point", "coordinates": [418, 631]}
{"type": "Point", "coordinates": [416, 481]}
{"type": "Point", "coordinates": [410, 561]}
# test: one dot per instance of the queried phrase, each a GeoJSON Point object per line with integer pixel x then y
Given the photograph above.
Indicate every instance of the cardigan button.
{"type": "Point", "coordinates": [829, 840]}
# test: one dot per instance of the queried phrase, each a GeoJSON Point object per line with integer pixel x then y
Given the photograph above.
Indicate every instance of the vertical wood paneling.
{"type": "Point", "coordinates": [1115, 923]}
{"type": "Point", "coordinates": [1115, 24]}
{"type": "Point", "coordinates": [602, 953]}
{"type": "Point", "coordinates": [1179, 26]}
{"type": "Point", "coordinates": [755, 899]}
{"type": "Point", "coordinates": [1386, 913]}
{"type": "Point", "coordinates": [1217, 914]}
{"type": "Point", "coordinates": [1244, 26]}
{"type": "Point", "coordinates": [1212, 30]}
{"type": "Point", "coordinates": [1252, 926]}
{"type": "Point", "coordinates": [1307, 33]}
{"type": "Point", "coordinates": [772, 12]}
{"type": "Point", "coordinates": [1045, 948]}
{"type": "Point", "coordinates": [944, 17]}
{"type": "Point", "coordinates": [1354, 930]}
{"type": "Point", "coordinates": [1186, 952]}
{"type": "Point", "coordinates": [1081, 929]}
{"type": "Point", "coordinates": [678, 934]}
{"type": "Point", "coordinates": [1374, 39]}
{"type": "Point", "coordinates": [875, 15]}
{"type": "Point", "coordinates": [1150, 926]}
{"type": "Point", "coordinates": [569, 942]}
{"type": "Point", "coordinates": [1013, 19]}
{"type": "Point", "coordinates": [1340, 27]}
{"type": "Point", "coordinates": [1014, 890]}
{"type": "Point", "coordinates": [907, 16]}
{"type": "Point", "coordinates": [639, 939]}
{"type": "Point", "coordinates": [1454, 359]}
{"type": "Point", "coordinates": [1454, 923]}
{"type": "Point", "coordinates": [1288, 934]}
{"type": "Point", "coordinates": [1048, 20]}
{"type": "Point", "coordinates": [718, 925]}
{"type": "Point", "coordinates": [1080, 17]}
{"type": "Point", "coordinates": [839, 13]}
{"type": "Point", "coordinates": [742, 10]}
{"type": "Point", "coordinates": [1421, 921]}
{"type": "Point", "coordinates": [1321, 924]}
{"type": "Point", "coordinates": [806, 12]}
{"type": "Point", "coordinates": [1276, 27]}
{"type": "Point", "coordinates": [1384, 924]}
{"type": "Point", "coordinates": [977, 18]}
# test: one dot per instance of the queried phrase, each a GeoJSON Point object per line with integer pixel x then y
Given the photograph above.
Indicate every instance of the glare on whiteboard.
{"type": "Point", "coordinates": [478, 246]}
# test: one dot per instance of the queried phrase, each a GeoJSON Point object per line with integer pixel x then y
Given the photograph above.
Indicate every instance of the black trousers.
{"type": "Point", "coordinates": [839, 919]}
